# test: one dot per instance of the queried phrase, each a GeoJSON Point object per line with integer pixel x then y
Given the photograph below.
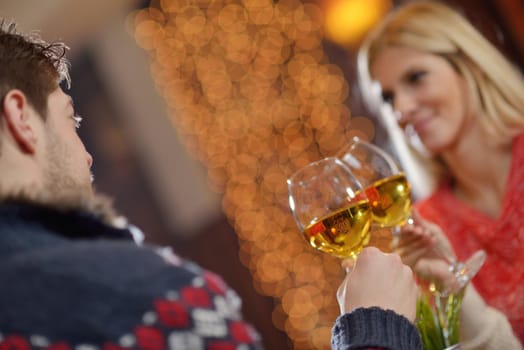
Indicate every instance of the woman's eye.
{"type": "Point", "coordinates": [387, 97]}
{"type": "Point", "coordinates": [416, 77]}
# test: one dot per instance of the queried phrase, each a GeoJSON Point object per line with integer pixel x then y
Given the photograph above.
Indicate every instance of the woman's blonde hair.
{"type": "Point", "coordinates": [495, 84]}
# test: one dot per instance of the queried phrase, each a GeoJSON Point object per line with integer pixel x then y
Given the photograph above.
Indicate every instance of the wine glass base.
{"type": "Point", "coordinates": [464, 272]}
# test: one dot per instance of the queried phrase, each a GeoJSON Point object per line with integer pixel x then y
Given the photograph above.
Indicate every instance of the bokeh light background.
{"type": "Point", "coordinates": [253, 96]}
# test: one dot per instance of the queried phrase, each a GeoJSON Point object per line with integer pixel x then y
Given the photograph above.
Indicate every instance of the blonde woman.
{"type": "Point", "coordinates": [465, 103]}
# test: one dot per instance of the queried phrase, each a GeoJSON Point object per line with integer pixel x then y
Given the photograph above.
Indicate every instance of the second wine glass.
{"type": "Point", "coordinates": [330, 208]}
{"type": "Point", "coordinates": [384, 183]}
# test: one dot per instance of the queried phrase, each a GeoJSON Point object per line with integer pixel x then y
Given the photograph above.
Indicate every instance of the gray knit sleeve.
{"type": "Point", "coordinates": [374, 328]}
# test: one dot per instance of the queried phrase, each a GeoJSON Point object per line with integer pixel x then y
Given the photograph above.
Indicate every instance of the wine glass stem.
{"type": "Point", "coordinates": [441, 311]}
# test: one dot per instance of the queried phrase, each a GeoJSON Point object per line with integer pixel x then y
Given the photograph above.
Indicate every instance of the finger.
{"type": "Point", "coordinates": [408, 240]}
{"type": "Point", "coordinates": [438, 272]}
{"type": "Point", "coordinates": [409, 230]}
{"type": "Point", "coordinates": [406, 235]}
{"type": "Point", "coordinates": [416, 233]}
{"type": "Point", "coordinates": [413, 257]}
{"type": "Point", "coordinates": [394, 243]}
{"type": "Point", "coordinates": [406, 230]}
{"type": "Point", "coordinates": [417, 218]}
{"type": "Point", "coordinates": [413, 245]}
{"type": "Point", "coordinates": [416, 241]}
{"type": "Point", "coordinates": [371, 252]}
{"type": "Point", "coordinates": [412, 253]}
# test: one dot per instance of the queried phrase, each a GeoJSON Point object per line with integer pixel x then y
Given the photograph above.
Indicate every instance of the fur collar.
{"type": "Point", "coordinates": [66, 221]}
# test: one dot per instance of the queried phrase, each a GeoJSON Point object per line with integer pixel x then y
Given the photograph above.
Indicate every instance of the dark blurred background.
{"type": "Point", "coordinates": [140, 159]}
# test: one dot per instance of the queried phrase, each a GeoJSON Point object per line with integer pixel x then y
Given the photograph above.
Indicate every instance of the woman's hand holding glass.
{"type": "Point", "coordinates": [418, 243]}
{"type": "Point", "coordinates": [421, 244]}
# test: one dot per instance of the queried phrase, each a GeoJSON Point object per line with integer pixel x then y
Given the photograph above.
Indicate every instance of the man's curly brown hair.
{"type": "Point", "coordinates": [31, 65]}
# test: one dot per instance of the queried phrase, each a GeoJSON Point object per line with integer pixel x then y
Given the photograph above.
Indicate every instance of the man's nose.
{"type": "Point", "coordinates": [89, 159]}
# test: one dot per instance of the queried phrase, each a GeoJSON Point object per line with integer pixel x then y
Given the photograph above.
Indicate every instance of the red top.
{"type": "Point", "coordinates": [501, 280]}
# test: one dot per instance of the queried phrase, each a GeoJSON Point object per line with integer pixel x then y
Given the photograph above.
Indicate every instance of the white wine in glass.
{"type": "Point", "coordinates": [330, 208]}
{"type": "Point", "coordinates": [390, 200]}
{"type": "Point", "coordinates": [386, 186]}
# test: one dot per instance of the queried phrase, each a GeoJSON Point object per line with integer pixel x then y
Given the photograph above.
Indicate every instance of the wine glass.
{"type": "Point", "coordinates": [330, 208]}
{"type": "Point", "coordinates": [385, 184]}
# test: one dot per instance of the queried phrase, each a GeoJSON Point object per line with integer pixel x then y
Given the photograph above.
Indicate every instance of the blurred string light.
{"type": "Point", "coordinates": [347, 21]}
{"type": "Point", "coordinates": [253, 97]}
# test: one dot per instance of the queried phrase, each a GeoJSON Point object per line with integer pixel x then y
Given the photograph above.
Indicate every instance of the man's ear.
{"type": "Point", "coordinates": [17, 111]}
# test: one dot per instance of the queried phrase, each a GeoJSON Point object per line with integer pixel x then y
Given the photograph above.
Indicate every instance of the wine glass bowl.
{"type": "Point", "coordinates": [385, 185]}
{"type": "Point", "coordinates": [330, 207]}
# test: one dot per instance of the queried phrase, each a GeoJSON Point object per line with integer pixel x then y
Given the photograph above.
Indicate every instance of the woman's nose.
{"type": "Point", "coordinates": [404, 107]}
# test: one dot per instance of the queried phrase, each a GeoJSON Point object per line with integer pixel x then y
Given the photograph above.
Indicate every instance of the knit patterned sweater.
{"type": "Point", "coordinates": [69, 281]}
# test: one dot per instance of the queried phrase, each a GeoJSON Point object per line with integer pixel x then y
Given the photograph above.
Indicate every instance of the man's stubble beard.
{"type": "Point", "coordinates": [62, 189]}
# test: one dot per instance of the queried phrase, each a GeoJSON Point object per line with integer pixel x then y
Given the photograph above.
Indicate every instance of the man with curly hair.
{"type": "Point", "coordinates": [70, 273]}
